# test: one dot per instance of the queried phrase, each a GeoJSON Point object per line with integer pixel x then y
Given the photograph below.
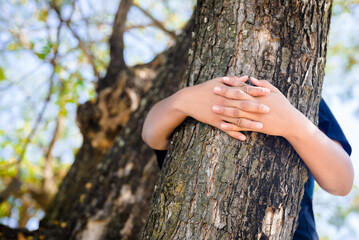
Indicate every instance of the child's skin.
{"type": "Point", "coordinates": [231, 105]}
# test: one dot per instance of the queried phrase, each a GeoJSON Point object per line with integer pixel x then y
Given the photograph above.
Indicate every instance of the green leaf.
{"type": "Point", "coordinates": [2, 74]}
{"type": "Point", "coordinates": [42, 56]}
{"type": "Point", "coordinates": [13, 46]}
{"type": "Point", "coordinates": [45, 50]}
{"type": "Point", "coordinates": [43, 15]}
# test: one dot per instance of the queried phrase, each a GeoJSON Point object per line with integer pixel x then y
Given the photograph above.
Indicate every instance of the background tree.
{"type": "Point", "coordinates": [54, 55]}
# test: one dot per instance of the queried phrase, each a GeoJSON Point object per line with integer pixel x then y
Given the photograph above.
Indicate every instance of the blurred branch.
{"type": "Point", "coordinates": [156, 22]}
{"type": "Point", "coordinates": [48, 181]}
{"type": "Point", "coordinates": [81, 43]}
{"type": "Point", "coordinates": [16, 183]}
{"type": "Point", "coordinates": [12, 187]}
{"type": "Point", "coordinates": [139, 26]}
{"type": "Point", "coordinates": [24, 214]}
{"type": "Point", "coordinates": [39, 117]}
{"type": "Point", "coordinates": [117, 62]}
{"type": "Point", "coordinates": [116, 39]}
{"type": "Point", "coordinates": [42, 196]}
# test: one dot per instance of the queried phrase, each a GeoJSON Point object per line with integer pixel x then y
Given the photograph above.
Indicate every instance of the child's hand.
{"type": "Point", "coordinates": [197, 102]}
{"type": "Point", "coordinates": [279, 121]}
{"type": "Point", "coordinates": [202, 100]}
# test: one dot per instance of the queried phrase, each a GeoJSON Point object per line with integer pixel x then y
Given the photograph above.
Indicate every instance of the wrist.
{"type": "Point", "coordinates": [300, 127]}
{"type": "Point", "coordinates": [178, 102]}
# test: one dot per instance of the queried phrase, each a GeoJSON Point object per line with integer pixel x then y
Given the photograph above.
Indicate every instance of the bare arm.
{"type": "Point", "coordinates": [326, 159]}
{"type": "Point", "coordinates": [161, 121]}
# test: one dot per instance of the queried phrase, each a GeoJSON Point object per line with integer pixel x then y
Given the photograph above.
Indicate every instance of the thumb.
{"type": "Point", "coordinates": [234, 81]}
{"type": "Point", "coordinates": [263, 83]}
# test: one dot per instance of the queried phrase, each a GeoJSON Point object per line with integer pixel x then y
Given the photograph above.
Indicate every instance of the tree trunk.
{"type": "Point", "coordinates": [215, 187]}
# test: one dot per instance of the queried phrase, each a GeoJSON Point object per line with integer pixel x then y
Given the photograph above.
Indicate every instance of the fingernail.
{"type": "Point", "coordinates": [254, 79]}
{"type": "Point", "coordinates": [242, 137]}
{"type": "Point", "coordinates": [266, 90]}
{"type": "Point", "coordinates": [223, 126]}
{"type": "Point", "coordinates": [226, 79]}
{"type": "Point", "coordinates": [217, 89]}
{"type": "Point", "coordinates": [259, 125]}
{"type": "Point", "coordinates": [265, 108]}
{"type": "Point", "coordinates": [215, 108]}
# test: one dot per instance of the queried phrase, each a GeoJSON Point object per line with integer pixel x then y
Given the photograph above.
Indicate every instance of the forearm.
{"type": "Point", "coordinates": [161, 121]}
{"type": "Point", "coordinates": [325, 158]}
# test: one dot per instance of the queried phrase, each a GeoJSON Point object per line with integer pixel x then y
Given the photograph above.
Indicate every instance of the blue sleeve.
{"type": "Point", "coordinates": [329, 125]}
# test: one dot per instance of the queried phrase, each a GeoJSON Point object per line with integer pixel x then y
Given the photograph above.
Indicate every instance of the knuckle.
{"type": "Point", "coordinates": [238, 93]}
{"type": "Point", "coordinates": [258, 108]}
{"type": "Point", "coordinates": [246, 89]}
{"type": "Point", "coordinates": [223, 102]}
{"type": "Point", "coordinates": [231, 79]}
{"type": "Point", "coordinates": [239, 122]}
{"type": "Point", "coordinates": [235, 112]}
{"type": "Point", "coordinates": [244, 105]}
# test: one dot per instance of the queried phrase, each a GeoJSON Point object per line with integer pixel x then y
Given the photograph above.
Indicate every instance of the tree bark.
{"type": "Point", "coordinates": [212, 186]}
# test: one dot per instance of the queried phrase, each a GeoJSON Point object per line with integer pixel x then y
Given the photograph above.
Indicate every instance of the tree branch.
{"type": "Point", "coordinates": [156, 22]}
{"type": "Point", "coordinates": [116, 40]}
{"type": "Point", "coordinates": [129, 27]}
{"type": "Point", "coordinates": [81, 44]}
{"type": "Point", "coordinates": [117, 62]}
{"type": "Point", "coordinates": [48, 181]}
{"type": "Point", "coordinates": [39, 118]}
{"type": "Point", "coordinates": [16, 183]}
{"type": "Point", "coordinates": [12, 187]}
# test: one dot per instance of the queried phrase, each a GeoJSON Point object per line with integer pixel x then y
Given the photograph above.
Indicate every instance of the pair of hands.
{"type": "Point", "coordinates": [228, 103]}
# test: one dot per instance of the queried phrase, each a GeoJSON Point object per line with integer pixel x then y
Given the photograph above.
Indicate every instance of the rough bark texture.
{"type": "Point", "coordinates": [212, 186]}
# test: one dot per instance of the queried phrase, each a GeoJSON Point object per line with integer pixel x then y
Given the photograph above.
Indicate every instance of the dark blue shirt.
{"type": "Point", "coordinates": [306, 225]}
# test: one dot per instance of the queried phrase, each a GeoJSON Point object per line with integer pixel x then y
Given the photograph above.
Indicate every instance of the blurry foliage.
{"type": "Point", "coordinates": [341, 81]}
{"type": "Point", "coordinates": [343, 54]}
{"type": "Point", "coordinates": [51, 56]}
